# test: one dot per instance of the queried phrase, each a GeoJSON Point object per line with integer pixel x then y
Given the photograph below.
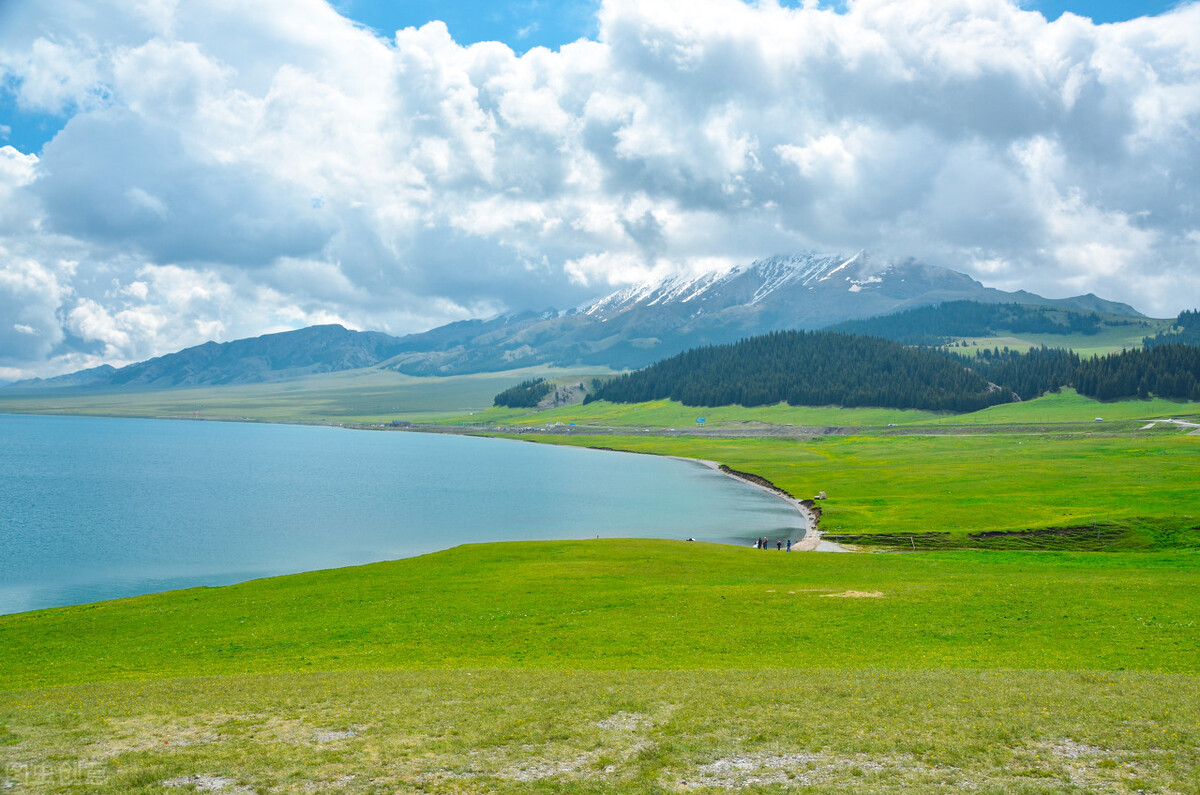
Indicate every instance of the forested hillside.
{"type": "Point", "coordinates": [811, 369]}
{"type": "Point", "coordinates": [1169, 371]}
{"type": "Point", "coordinates": [1187, 331]}
{"type": "Point", "coordinates": [1163, 370]}
{"type": "Point", "coordinates": [935, 325]}
{"type": "Point", "coordinates": [524, 395]}
{"type": "Point", "coordinates": [1029, 375]}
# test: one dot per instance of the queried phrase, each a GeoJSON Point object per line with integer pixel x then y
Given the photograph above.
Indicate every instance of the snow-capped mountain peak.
{"type": "Point", "coordinates": [745, 284]}
{"type": "Point", "coordinates": [681, 288]}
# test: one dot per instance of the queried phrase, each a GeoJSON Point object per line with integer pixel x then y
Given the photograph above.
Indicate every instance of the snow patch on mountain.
{"type": "Point", "coordinates": [779, 272]}
{"type": "Point", "coordinates": [681, 288]}
{"type": "Point", "coordinates": [844, 265]}
{"type": "Point", "coordinates": [768, 276]}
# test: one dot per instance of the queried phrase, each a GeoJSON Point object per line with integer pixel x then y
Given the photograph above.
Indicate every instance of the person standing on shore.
{"type": "Point", "coordinates": [789, 545]}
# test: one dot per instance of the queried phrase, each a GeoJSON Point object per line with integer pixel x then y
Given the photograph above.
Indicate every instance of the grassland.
{"type": "Point", "coordinates": [624, 604]}
{"type": "Point", "coordinates": [1116, 334]}
{"type": "Point", "coordinates": [1068, 406]}
{"type": "Point", "coordinates": [365, 396]}
{"type": "Point", "coordinates": [1062, 408]}
{"type": "Point", "coordinates": [661, 414]}
{"type": "Point", "coordinates": [483, 731]}
{"type": "Point", "coordinates": [623, 666]}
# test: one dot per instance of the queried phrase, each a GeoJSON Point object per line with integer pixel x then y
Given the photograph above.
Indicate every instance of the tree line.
{"type": "Point", "coordinates": [1031, 374]}
{"type": "Point", "coordinates": [1163, 370]}
{"type": "Point", "coordinates": [820, 368]}
{"type": "Point", "coordinates": [1186, 331]}
{"type": "Point", "coordinates": [525, 395]}
{"type": "Point", "coordinates": [1169, 371]}
{"type": "Point", "coordinates": [813, 368]}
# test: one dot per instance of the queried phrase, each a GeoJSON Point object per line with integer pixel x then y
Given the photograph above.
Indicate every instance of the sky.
{"type": "Point", "coordinates": [174, 171]}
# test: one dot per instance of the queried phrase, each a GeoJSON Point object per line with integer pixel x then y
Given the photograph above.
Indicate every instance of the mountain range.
{"type": "Point", "coordinates": [630, 328]}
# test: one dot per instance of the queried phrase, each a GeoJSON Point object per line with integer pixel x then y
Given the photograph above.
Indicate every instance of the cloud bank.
{"type": "Point", "coordinates": [229, 169]}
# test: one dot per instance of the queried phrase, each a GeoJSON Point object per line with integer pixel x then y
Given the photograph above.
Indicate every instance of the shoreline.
{"type": "Point", "coordinates": [812, 541]}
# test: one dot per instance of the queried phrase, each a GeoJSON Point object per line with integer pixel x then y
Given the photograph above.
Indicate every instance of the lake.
{"type": "Point", "coordinates": [97, 508]}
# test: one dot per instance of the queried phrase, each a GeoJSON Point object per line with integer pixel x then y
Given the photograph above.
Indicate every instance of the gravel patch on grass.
{"type": "Point", "coordinates": [332, 736]}
{"type": "Point", "coordinates": [200, 783]}
{"type": "Point", "coordinates": [625, 721]}
{"type": "Point", "coordinates": [741, 771]}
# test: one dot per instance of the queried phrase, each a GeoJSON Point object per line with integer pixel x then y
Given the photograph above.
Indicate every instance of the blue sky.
{"type": "Point", "coordinates": [550, 23]}
{"type": "Point", "coordinates": [521, 25]}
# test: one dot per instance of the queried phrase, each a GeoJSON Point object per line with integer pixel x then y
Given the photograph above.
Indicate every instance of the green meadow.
{"type": "Point", "coordinates": [663, 414]}
{"type": "Point", "coordinates": [635, 604]}
{"type": "Point", "coordinates": [1065, 407]}
{"type": "Point", "coordinates": [1027, 662]}
{"type": "Point", "coordinates": [366, 396]}
{"type": "Point", "coordinates": [623, 666]}
{"type": "Point", "coordinates": [1068, 406]}
{"type": "Point", "coordinates": [1116, 334]}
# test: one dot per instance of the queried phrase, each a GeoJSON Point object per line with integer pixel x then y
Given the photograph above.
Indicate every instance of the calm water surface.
{"type": "Point", "coordinates": [97, 508]}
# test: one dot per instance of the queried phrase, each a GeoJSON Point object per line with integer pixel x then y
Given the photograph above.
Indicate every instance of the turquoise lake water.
{"type": "Point", "coordinates": [97, 508]}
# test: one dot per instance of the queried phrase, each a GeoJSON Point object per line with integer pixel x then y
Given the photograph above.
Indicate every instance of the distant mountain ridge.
{"type": "Point", "coordinates": [639, 325]}
{"type": "Point", "coordinates": [271, 357]}
{"type": "Point", "coordinates": [629, 328]}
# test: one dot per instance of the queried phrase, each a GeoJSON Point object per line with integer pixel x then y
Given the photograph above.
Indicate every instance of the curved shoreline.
{"type": "Point", "coordinates": [812, 541]}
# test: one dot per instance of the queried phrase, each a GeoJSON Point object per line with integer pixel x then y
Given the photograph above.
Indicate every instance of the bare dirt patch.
{"type": "Point", "coordinates": [625, 721]}
{"type": "Point", "coordinates": [332, 736]}
{"type": "Point", "coordinates": [856, 595]}
{"type": "Point", "coordinates": [788, 770]}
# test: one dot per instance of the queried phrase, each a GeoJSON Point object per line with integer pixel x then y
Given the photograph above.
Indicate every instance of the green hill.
{"type": "Point", "coordinates": [942, 323]}
{"type": "Point", "coordinates": [968, 326]}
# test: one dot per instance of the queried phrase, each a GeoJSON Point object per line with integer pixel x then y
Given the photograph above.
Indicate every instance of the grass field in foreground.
{"type": "Point", "coordinates": [616, 604]}
{"type": "Point", "coordinates": [482, 731]}
{"type": "Point", "coordinates": [1142, 486]}
{"type": "Point", "coordinates": [623, 666]}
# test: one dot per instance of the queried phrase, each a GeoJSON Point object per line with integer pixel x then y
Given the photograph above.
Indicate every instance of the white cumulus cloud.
{"type": "Point", "coordinates": [229, 169]}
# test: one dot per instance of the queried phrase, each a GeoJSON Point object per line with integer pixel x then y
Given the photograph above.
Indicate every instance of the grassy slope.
{"type": "Point", "coordinates": [355, 396]}
{"type": "Point", "coordinates": [616, 604]}
{"type": "Point", "coordinates": [1069, 406]}
{"type": "Point", "coordinates": [553, 731]}
{"type": "Point", "coordinates": [1064, 407]}
{"type": "Point", "coordinates": [669, 413]}
{"type": "Point", "coordinates": [1110, 338]}
{"type": "Point", "coordinates": [533, 683]}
